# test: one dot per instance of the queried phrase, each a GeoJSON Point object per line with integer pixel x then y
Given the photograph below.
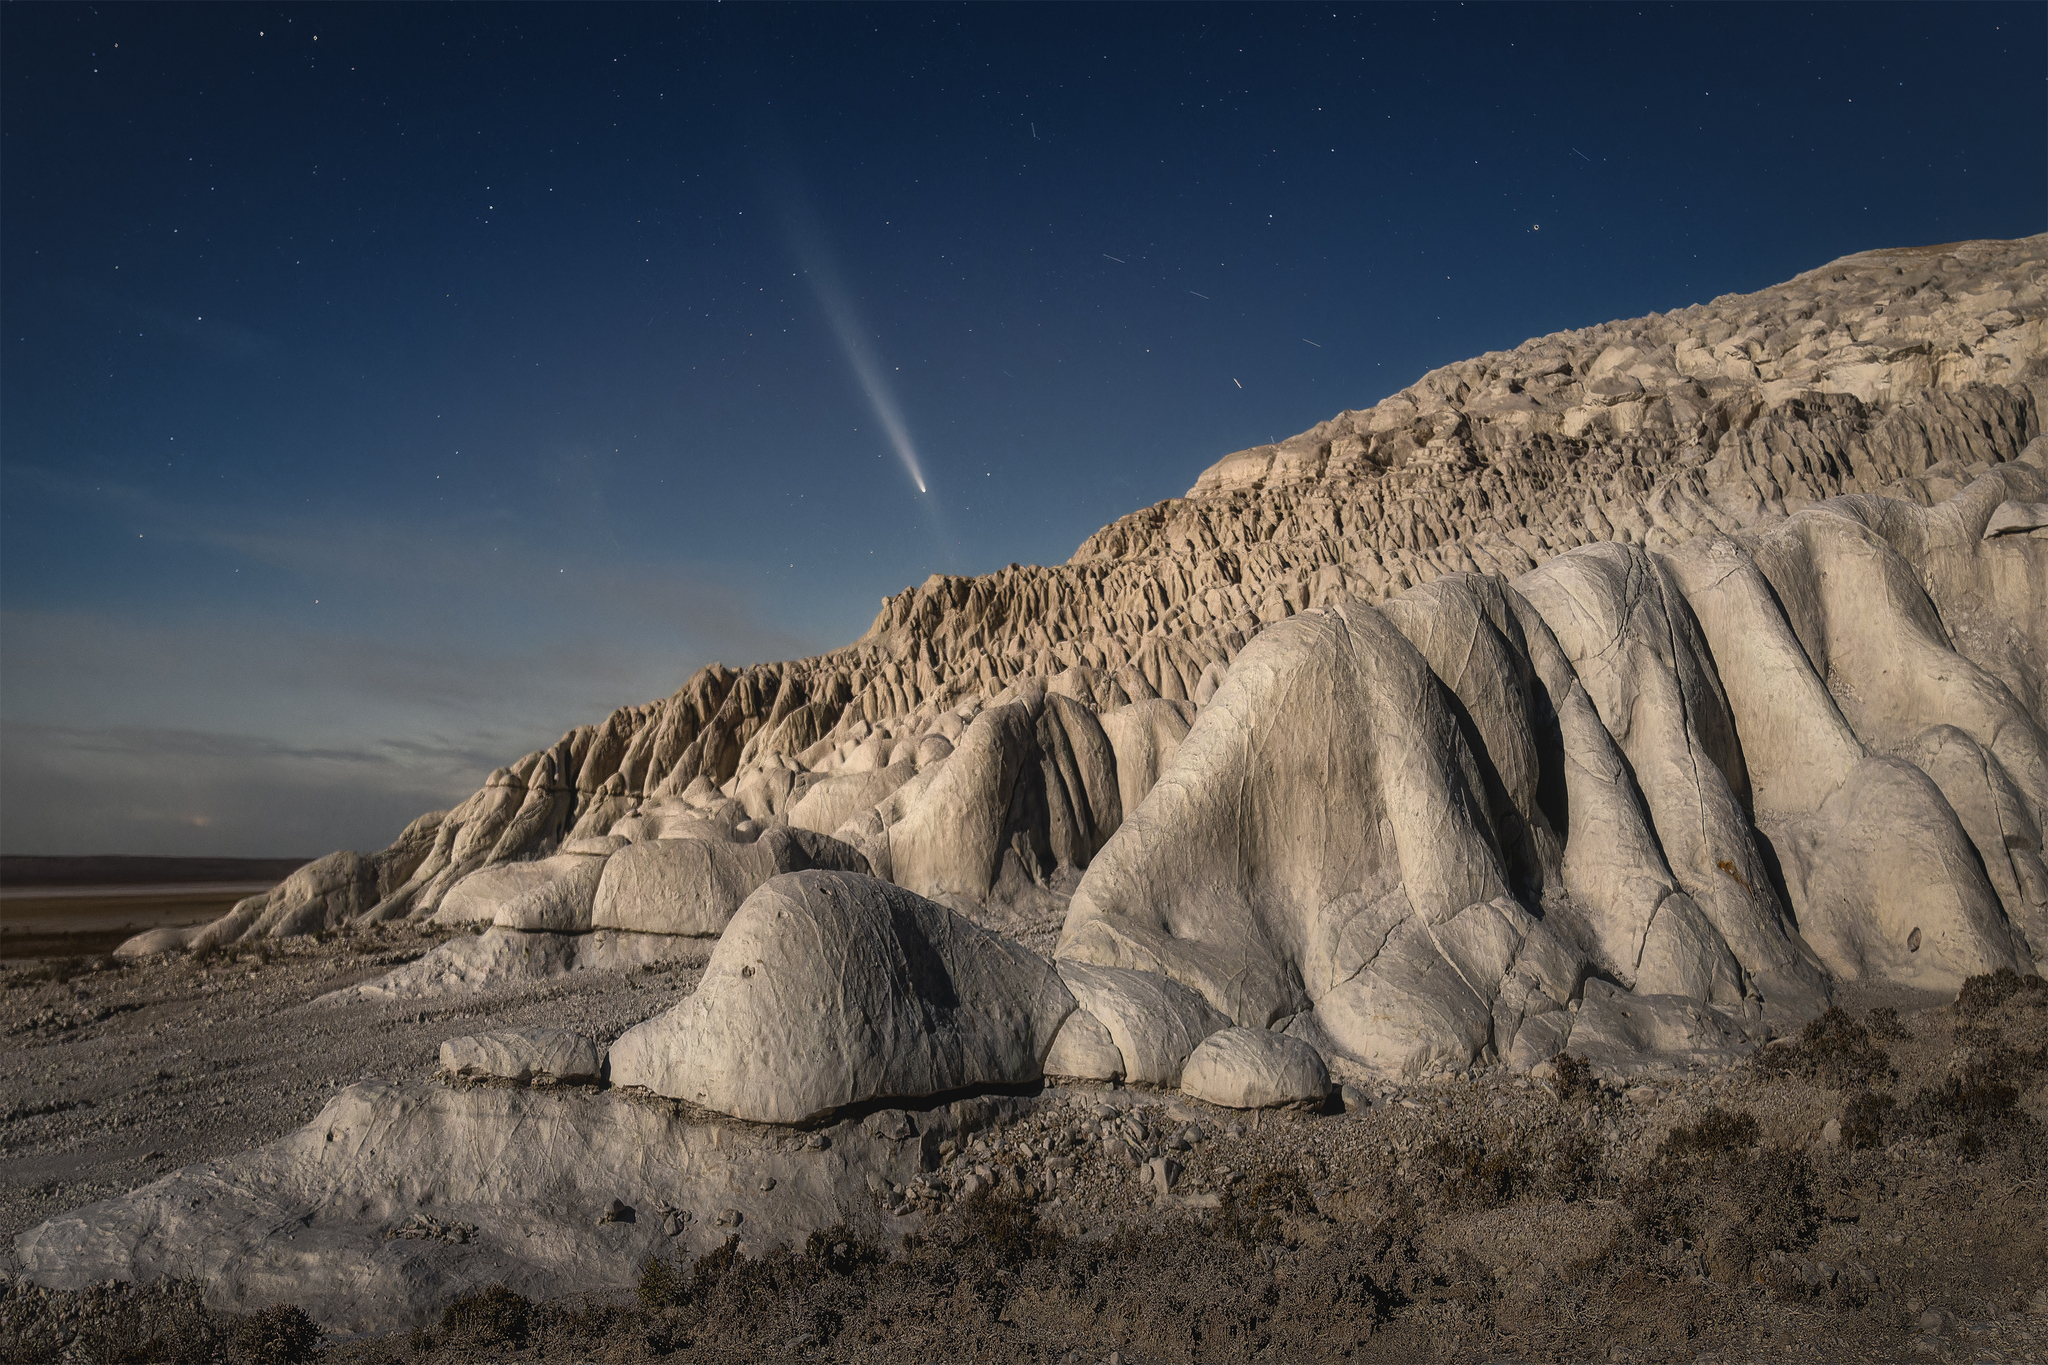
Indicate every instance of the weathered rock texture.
{"type": "Point", "coordinates": [1623, 692]}
{"type": "Point", "coordinates": [1899, 374]}
{"type": "Point", "coordinates": [1702, 653]}
{"type": "Point", "coordinates": [523, 1055]}
{"type": "Point", "coordinates": [398, 1197]}
{"type": "Point", "coordinates": [831, 989]}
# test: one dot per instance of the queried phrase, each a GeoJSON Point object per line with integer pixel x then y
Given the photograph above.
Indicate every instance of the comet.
{"type": "Point", "coordinates": [866, 364]}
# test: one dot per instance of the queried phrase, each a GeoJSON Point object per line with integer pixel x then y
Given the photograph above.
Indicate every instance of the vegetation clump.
{"type": "Point", "coordinates": [1834, 1050]}
{"type": "Point", "coordinates": [165, 1323]}
{"type": "Point", "coordinates": [1982, 994]}
{"type": "Point", "coordinates": [1575, 1079]}
{"type": "Point", "coordinates": [491, 1316]}
{"type": "Point", "coordinates": [279, 1335]}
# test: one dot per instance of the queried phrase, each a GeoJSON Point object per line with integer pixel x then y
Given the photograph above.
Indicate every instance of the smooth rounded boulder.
{"type": "Point", "coordinates": [691, 887]}
{"type": "Point", "coordinates": [1085, 1049]}
{"type": "Point", "coordinates": [1254, 1068]}
{"type": "Point", "coordinates": [561, 905]}
{"type": "Point", "coordinates": [1153, 1021]}
{"type": "Point", "coordinates": [830, 989]}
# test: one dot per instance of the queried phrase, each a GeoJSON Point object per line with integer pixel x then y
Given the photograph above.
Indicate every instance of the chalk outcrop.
{"type": "Point", "coordinates": [833, 989]}
{"type": "Point", "coordinates": [524, 1055]}
{"type": "Point", "coordinates": [1622, 693]}
{"type": "Point", "coordinates": [1895, 374]}
{"type": "Point", "coordinates": [399, 1196]}
{"type": "Point", "coordinates": [1254, 1068]}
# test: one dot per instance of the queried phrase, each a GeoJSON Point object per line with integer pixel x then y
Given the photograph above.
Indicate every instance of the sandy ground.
{"type": "Point", "coordinates": [109, 1078]}
{"type": "Point", "coordinates": [113, 1076]}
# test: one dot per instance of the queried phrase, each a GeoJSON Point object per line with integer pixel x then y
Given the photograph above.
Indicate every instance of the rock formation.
{"type": "Point", "coordinates": [1892, 373]}
{"type": "Point", "coordinates": [831, 989]}
{"type": "Point", "coordinates": [1620, 693]}
{"type": "Point", "coordinates": [1701, 654]}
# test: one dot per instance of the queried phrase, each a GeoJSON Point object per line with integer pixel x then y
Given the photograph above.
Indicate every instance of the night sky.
{"type": "Point", "coordinates": [386, 390]}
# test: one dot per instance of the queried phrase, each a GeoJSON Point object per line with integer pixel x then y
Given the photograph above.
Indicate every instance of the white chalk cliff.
{"type": "Point", "coordinates": [1702, 653]}
{"type": "Point", "coordinates": [1695, 662]}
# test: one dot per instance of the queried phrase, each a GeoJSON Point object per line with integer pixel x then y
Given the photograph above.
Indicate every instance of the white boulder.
{"type": "Point", "coordinates": [1254, 1068]}
{"type": "Point", "coordinates": [829, 989]}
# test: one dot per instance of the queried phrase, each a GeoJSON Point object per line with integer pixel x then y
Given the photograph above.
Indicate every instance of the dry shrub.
{"type": "Point", "coordinates": [1973, 1109]}
{"type": "Point", "coordinates": [1475, 1177]}
{"type": "Point", "coordinates": [1982, 994]}
{"type": "Point", "coordinates": [279, 1335]}
{"type": "Point", "coordinates": [1834, 1050]}
{"type": "Point", "coordinates": [1712, 1201]}
{"type": "Point", "coordinates": [1716, 1135]}
{"type": "Point", "coordinates": [491, 1316]}
{"type": "Point", "coordinates": [1267, 1273]}
{"type": "Point", "coordinates": [1574, 1077]}
{"type": "Point", "coordinates": [172, 1326]}
{"type": "Point", "coordinates": [165, 1323]}
{"type": "Point", "coordinates": [1259, 1213]}
{"type": "Point", "coordinates": [1864, 1120]}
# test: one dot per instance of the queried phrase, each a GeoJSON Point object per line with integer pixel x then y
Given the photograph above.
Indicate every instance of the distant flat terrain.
{"type": "Point", "coordinates": [124, 870]}
{"type": "Point", "coordinates": [69, 907]}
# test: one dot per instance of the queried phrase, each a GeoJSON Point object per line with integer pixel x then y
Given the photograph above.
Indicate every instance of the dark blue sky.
{"type": "Point", "coordinates": [387, 389]}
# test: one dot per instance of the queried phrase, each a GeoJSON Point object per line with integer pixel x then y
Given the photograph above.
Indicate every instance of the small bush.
{"type": "Point", "coordinates": [1574, 1077]}
{"type": "Point", "coordinates": [1775, 1200]}
{"type": "Point", "coordinates": [1006, 1231]}
{"type": "Point", "coordinates": [278, 1335]}
{"type": "Point", "coordinates": [164, 1324]}
{"type": "Point", "coordinates": [1976, 1104]}
{"type": "Point", "coordinates": [1982, 994]}
{"type": "Point", "coordinates": [1883, 1023]}
{"type": "Point", "coordinates": [1255, 1216]}
{"type": "Point", "coordinates": [842, 1251]}
{"type": "Point", "coordinates": [1834, 1050]}
{"type": "Point", "coordinates": [1707, 1187]}
{"type": "Point", "coordinates": [1576, 1169]}
{"type": "Point", "coordinates": [491, 1316]}
{"type": "Point", "coordinates": [1475, 1178]}
{"type": "Point", "coordinates": [662, 1285]}
{"type": "Point", "coordinates": [1718, 1135]}
{"type": "Point", "coordinates": [1864, 1120]}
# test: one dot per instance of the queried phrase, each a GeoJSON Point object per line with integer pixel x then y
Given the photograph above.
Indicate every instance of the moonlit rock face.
{"type": "Point", "coordinates": [561, 904]}
{"type": "Point", "coordinates": [1700, 653]}
{"type": "Point", "coordinates": [1254, 1068]}
{"type": "Point", "coordinates": [1620, 694]}
{"type": "Point", "coordinates": [693, 886]}
{"type": "Point", "coordinates": [830, 989]}
{"type": "Point", "coordinates": [1084, 1048]}
{"type": "Point", "coordinates": [1153, 1021]}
